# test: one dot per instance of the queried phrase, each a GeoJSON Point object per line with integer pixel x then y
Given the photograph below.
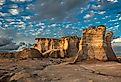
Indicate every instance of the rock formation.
{"type": "Point", "coordinates": [94, 44]}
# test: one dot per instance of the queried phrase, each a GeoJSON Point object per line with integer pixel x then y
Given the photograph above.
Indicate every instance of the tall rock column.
{"type": "Point", "coordinates": [93, 43]}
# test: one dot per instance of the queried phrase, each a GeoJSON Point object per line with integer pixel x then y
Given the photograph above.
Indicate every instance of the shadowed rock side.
{"type": "Point", "coordinates": [24, 54]}
{"type": "Point", "coordinates": [109, 51]}
{"type": "Point", "coordinates": [73, 46]}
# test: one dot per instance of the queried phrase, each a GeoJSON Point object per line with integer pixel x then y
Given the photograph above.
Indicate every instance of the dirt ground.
{"type": "Point", "coordinates": [52, 70]}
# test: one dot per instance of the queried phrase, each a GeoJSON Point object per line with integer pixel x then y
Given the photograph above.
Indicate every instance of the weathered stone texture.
{"type": "Point", "coordinates": [45, 44]}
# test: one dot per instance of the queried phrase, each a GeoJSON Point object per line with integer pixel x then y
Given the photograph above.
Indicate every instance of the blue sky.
{"type": "Point", "coordinates": [23, 20]}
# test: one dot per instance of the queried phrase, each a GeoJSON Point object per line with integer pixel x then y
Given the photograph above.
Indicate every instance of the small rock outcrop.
{"type": "Point", "coordinates": [7, 55]}
{"type": "Point", "coordinates": [28, 53]}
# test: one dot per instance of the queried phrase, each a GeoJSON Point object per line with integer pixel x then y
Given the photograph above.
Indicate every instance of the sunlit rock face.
{"type": "Point", "coordinates": [45, 44]}
{"type": "Point", "coordinates": [68, 45]}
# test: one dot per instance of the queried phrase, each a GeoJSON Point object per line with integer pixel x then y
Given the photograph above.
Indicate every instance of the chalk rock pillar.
{"type": "Point", "coordinates": [93, 43]}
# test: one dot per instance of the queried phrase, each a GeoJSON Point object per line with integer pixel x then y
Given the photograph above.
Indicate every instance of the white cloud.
{"type": "Point", "coordinates": [116, 40]}
{"type": "Point", "coordinates": [113, 0]}
{"type": "Point", "coordinates": [14, 11]}
{"type": "Point", "coordinates": [119, 18]}
{"type": "Point", "coordinates": [2, 2]}
{"type": "Point", "coordinates": [20, 0]}
{"type": "Point", "coordinates": [3, 14]}
{"type": "Point", "coordinates": [89, 15]}
{"type": "Point", "coordinates": [102, 12]}
{"type": "Point", "coordinates": [96, 7]}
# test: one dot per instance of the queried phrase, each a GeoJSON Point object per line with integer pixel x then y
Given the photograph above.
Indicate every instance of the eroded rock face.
{"type": "Point", "coordinates": [42, 44]}
{"type": "Point", "coordinates": [45, 44]}
{"type": "Point", "coordinates": [93, 43]}
{"type": "Point", "coordinates": [68, 46]}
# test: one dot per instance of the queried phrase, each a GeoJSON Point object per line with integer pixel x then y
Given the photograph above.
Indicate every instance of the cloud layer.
{"type": "Point", "coordinates": [6, 44]}
{"type": "Point", "coordinates": [57, 9]}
